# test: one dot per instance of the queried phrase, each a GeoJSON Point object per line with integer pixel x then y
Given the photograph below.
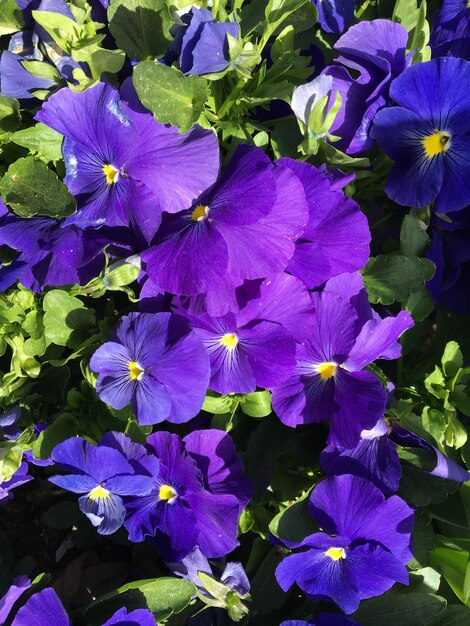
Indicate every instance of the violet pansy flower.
{"type": "Point", "coordinates": [124, 166]}
{"type": "Point", "coordinates": [51, 254]}
{"type": "Point", "coordinates": [239, 230]}
{"type": "Point", "coordinates": [363, 549]}
{"type": "Point", "coordinates": [204, 44]}
{"type": "Point", "coordinates": [427, 135]}
{"type": "Point", "coordinates": [377, 50]}
{"type": "Point", "coordinates": [329, 381]}
{"type": "Point", "coordinates": [20, 477]}
{"type": "Point", "coordinates": [103, 475]}
{"type": "Point", "coordinates": [376, 458]}
{"type": "Point", "coordinates": [156, 363]}
{"type": "Point", "coordinates": [337, 236]}
{"type": "Point", "coordinates": [197, 496]}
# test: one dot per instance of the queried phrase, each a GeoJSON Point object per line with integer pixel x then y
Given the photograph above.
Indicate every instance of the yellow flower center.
{"type": "Point", "coordinates": [436, 143]}
{"type": "Point", "coordinates": [167, 493]}
{"type": "Point", "coordinates": [336, 553]}
{"type": "Point", "coordinates": [229, 340]}
{"type": "Point", "coordinates": [327, 369]}
{"type": "Point", "coordinates": [99, 492]}
{"type": "Point", "coordinates": [135, 371]}
{"type": "Point", "coordinates": [200, 213]}
{"type": "Point", "coordinates": [111, 174]}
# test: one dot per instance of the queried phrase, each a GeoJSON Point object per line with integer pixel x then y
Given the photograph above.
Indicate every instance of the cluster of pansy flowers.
{"type": "Point", "coordinates": [249, 279]}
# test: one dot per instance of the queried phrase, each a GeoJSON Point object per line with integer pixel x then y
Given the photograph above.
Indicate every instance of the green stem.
{"type": "Point", "coordinates": [215, 8]}
{"type": "Point", "coordinates": [231, 98]}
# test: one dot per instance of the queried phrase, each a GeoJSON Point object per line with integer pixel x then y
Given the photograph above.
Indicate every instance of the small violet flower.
{"type": "Point", "coordinates": [204, 43]}
{"type": "Point", "coordinates": [156, 363]}
{"type": "Point", "coordinates": [239, 230]}
{"type": "Point", "coordinates": [328, 381]}
{"type": "Point", "coordinates": [198, 494]}
{"type": "Point", "coordinates": [377, 50]}
{"type": "Point", "coordinates": [123, 166]}
{"type": "Point", "coordinates": [104, 475]}
{"type": "Point", "coordinates": [427, 135]}
{"type": "Point", "coordinates": [363, 549]}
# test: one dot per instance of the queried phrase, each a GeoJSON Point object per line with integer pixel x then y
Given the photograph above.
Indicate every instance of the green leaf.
{"type": "Point", "coordinates": [11, 18]}
{"type": "Point", "coordinates": [172, 97]}
{"type": "Point", "coordinates": [140, 27]}
{"type": "Point", "coordinates": [64, 427]}
{"type": "Point", "coordinates": [162, 596]}
{"type": "Point", "coordinates": [31, 188]}
{"type": "Point", "coordinates": [414, 240]}
{"type": "Point", "coordinates": [453, 615]}
{"type": "Point", "coordinates": [452, 359]}
{"type": "Point", "coordinates": [406, 13]}
{"type": "Point", "coordinates": [452, 564]}
{"type": "Point", "coordinates": [66, 320]}
{"type": "Point", "coordinates": [420, 305]}
{"type": "Point", "coordinates": [219, 405]}
{"type": "Point", "coordinates": [40, 139]}
{"type": "Point", "coordinates": [11, 456]}
{"type": "Point", "coordinates": [294, 522]}
{"type": "Point", "coordinates": [43, 69]}
{"type": "Point", "coordinates": [425, 580]}
{"type": "Point", "coordinates": [422, 539]}
{"type": "Point", "coordinates": [393, 278]}
{"type": "Point", "coordinates": [256, 404]}
{"type": "Point", "coordinates": [266, 595]}
{"type": "Point", "coordinates": [409, 609]}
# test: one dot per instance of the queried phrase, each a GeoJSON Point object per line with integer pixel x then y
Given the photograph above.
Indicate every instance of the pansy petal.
{"type": "Point", "coordinates": [189, 262]}
{"type": "Point", "coordinates": [217, 517]}
{"type": "Point", "coordinates": [42, 608]}
{"type": "Point", "coordinates": [376, 338]}
{"type": "Point", "coordinates": [361, 402]}
{"type": "Point", "coordinates": [270, 351]}
{"type": "Point", "coordinates": [215, 453]}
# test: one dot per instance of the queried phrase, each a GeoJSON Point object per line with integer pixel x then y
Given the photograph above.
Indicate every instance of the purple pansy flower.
{"type": "Point", "coordinates": [124, 166]}
{"type": "Point", "coordinates": [363, 549]}
{"type": "Point", "coordinates": [103, 475]}
{"type": "Point", "coordinates": [376, 459]}
{"type": "Point", "coordinates": [20, 477]}
{"type": "Point", "coordinates": [139, 617]}
{"type": "Point", "coordinates": [204, 44]}
{"type": "Point", "coordinates": [377, 50]}
{"type": "Point", "coordinates": [197, 497]}
{"type": "Point", "coordinates": [428, 135]}
{"type": "Point", "coordinates": [233, 574]}
{"type": "Point", "coordinates": [255, 346]}
{"type": "Point", "coordinates": [155, 362]}
{"type": "Point", "coordinates": [51, 254]}
{"type": "Point", "coordinates": [335, 15]}
{"type": "Point", "coordinates": [328, 381]}
{"type": "Point", "coordinates": [239, 230]}
{"type": "Point", "coordinates": [337, 236]}
{"type": "Point", "coordinates": [450, 35]}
